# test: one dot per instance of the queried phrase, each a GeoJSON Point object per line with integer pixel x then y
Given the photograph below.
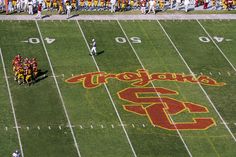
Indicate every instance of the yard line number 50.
{"type": "Point", "coordinates": [37, 40]}
{"type": "Point", "coordinates": [122, 40]}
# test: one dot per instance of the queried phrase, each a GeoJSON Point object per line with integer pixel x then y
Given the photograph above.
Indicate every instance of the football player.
{"type": "Point", "coordinates": [48, 4]}
{"type": "Point", "coordinates": [93, 50]}
{"type": "Point", "coordinates": [54, 4]}
{"type": "Point", "coordinates": [81, 3]}
{"type": "Point", "coordinates": [16, 154]}
{"type": "Point", "coordinates": [89, 4]}
{"type": "Point", "coordinates": [28, 76]}
{"type": "Point", "coordinates": [19, 75]}
{"type": "Point", "coordinates": [95, 3]}
{"type": "Point", "coordinates": [73, 4]}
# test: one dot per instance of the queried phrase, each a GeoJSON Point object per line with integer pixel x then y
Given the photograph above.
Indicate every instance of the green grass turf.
{"type": "Point", "coordinates": [40, 104]}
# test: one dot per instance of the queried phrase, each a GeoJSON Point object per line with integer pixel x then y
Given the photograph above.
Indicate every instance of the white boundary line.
{"type": "Point", "coordinates": [59, 91]}
{"type": "Point", "coordinates": [109, 94]}
{"type": "Point", "coordinates": [185, 145]}
{"type": "Point", "coordinates": [212, 104]}
{"type": "Point", "coordinates": [12, 105]}
{"type": "Point", "coordinates": [216, 45]}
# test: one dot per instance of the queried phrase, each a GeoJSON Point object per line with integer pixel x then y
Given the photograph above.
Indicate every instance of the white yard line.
{"type": "Point", "coordinates": [109, 94]}
{"type": "Point", "coordinates": [59, 91]}
{"type": "Point", "coordinates": [185, 145]}
{"type": "Point", "coordinates": [12, 105]}
{"type": "Point", "coordinates": [203, 90]}
{"type": "Point", "coordinates": [217, 46]}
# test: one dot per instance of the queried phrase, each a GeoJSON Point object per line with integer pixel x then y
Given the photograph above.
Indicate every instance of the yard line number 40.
{"type": "Point", "coordinates": [217, 39]}
{"type": "Point", "coordinates": [37, 40]}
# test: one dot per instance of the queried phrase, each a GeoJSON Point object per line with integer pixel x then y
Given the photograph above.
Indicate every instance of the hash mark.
{"type": "Point", "coordinates": [81, 127]}
{"type": "Point", "coordinates": [219, 73]}
{"type": "Point", "coordinates": [91, 126]}
{"type": "Point", "coordinates": [224, 123]}
{"type": "Point", "coordinates": [228, 39]}
{"type": "Point", "coordinates": [144, 125]}
{"type": "Point", "coordinates": [102, 126]}
{"type": "Point", "coordinates": [59, 127]}
{"type": "Point", "coordinates": [26, 41]}
{"type": "Point", "coordinates": [6, 128]}
{"type": "Point", "coordinates": [133, 126]}
{"type": "Point", "coordinates": [112, 126]}
{"type": "Point", "coordinates": [38, 127]}
{"type": "Point", "coordinates": [49, 127]}
{"type": "Point", "coordinates": [72, 74]}
{"type": "Point", "coordinates": [201, 73]}
{"type": "Point", "coordinates": [229, 73]}
{"type": "Point", "coordinates": [27, 128]}
{"type": "Point", "coordinates": [210, 73]}
{"type": "Point", "coordinates": [62, 75]}
{"type": "Point", "coordinates": [17, 127]}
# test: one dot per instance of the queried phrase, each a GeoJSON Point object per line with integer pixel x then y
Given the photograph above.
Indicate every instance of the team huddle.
{"type": "Point", "coordinates": [25, 70]}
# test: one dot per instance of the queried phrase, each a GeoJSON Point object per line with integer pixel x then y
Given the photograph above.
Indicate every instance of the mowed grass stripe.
{"type": "Point", "coordinates": [216, 45]}
{"type": "Point", "coordinates": [109, 94]}
{"type": "Point", "coordinates": [117, 58]}
{"type": "Point", "coordinates": [9, 139]}
{"type": "Point", "coordinates": [185, 145]}
{"type": "Point", "coordinates": [86, 107]}
{"type": "Point", "coordinates": [59, 91]}
{"type": "Point", "coordinates": [161, 50]}
{"type": "Point", "coordinates": [198, 83]}
{"type": "Point", "coordinates": [201, 60]}
{"type": "Point", "coordinates": [224, 31]}
{"type": "Point", "coordinates": [12, 105]}
{"type": "Point", "coordinates": [156, 48]}
{"type": "Point", "coordinates": [184, 42]}
{"type": "Point", "coordinates": [37, 105]}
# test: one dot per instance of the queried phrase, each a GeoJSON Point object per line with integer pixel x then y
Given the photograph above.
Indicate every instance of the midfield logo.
{"type": "Point", "coordinates": [154, 103]}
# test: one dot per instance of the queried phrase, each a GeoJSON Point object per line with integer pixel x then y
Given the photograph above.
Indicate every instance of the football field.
{"type": "Point", "coordinates": [161, 88]}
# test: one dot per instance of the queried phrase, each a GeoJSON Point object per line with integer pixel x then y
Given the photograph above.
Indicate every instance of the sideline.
{"type": "Point", "coordinates": [59, 92]}
{"type": "Point", "coordinates": [126, 17]}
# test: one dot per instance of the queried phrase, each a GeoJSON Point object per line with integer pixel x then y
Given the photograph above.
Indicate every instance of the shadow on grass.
{"type": "Point", "coordinates": [41, 75]}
